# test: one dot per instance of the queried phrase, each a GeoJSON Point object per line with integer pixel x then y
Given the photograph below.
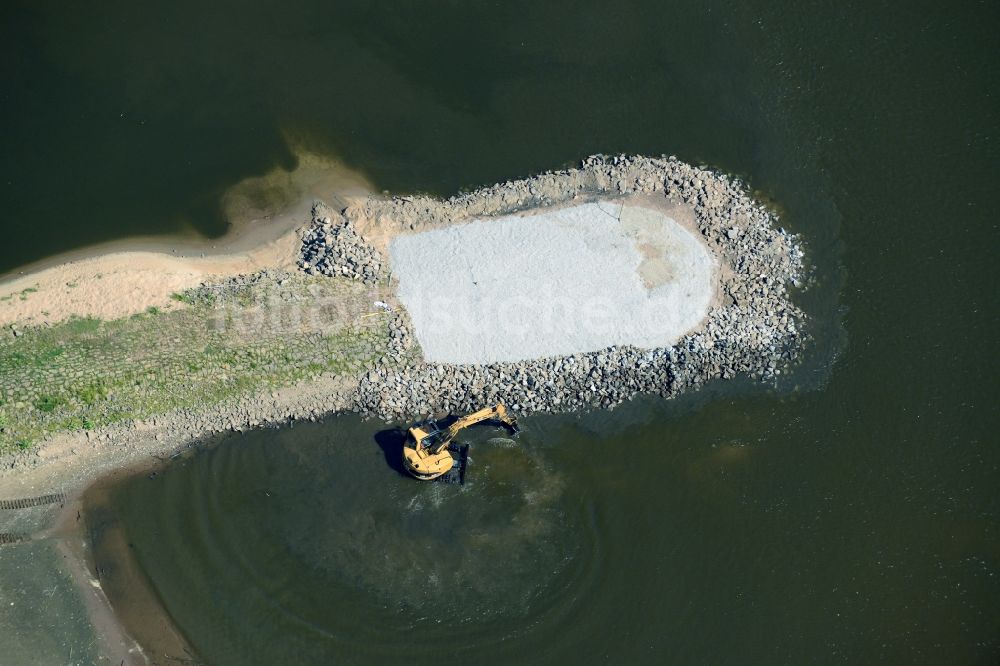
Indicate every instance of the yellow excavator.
{"type": "Point", "coordinates": [430, 451]}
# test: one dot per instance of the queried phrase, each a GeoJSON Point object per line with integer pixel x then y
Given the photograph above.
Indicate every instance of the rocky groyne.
{"type": "Point", "coordinates": [337, 250]}
{"type": "Point", "coordinates": [754, 331]}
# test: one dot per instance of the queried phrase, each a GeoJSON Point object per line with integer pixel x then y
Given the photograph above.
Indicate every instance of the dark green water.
{"type": "Point", "coordinates": [852, 519]}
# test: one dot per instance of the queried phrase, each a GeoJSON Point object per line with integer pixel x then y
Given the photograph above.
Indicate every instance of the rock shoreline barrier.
{"type": "Point", "coordinates": [754, 331]}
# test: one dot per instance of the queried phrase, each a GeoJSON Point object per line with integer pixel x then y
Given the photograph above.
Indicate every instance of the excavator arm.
{"type": "Point", "coordinates": [495, 413]}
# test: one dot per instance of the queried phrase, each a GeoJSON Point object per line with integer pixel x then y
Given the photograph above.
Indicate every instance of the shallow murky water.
{"type": "Point", "coordinates": [686, 532]}
{"type": "Point", "coordinates": [315, 532]}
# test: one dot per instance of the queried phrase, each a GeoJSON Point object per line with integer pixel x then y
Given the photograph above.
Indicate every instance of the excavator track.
{"type": "Point", "coordinates": [6, 538]}
{"type": "Point", "coordinates": [28, 502]}
{"type": "Point", "coordinates": [456, 475]}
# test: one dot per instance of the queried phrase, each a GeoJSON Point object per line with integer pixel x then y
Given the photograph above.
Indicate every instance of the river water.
{"type": "Point", "coordinates": [849, 514]}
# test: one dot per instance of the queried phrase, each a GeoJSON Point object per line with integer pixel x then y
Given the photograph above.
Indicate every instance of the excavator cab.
{"type": "Point", "coordinates": [428, 431]}
{"type": "Point", "coordinates": [431, 454]}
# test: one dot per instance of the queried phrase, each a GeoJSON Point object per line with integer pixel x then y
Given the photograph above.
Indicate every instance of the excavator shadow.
{"type": "Point", "coordinates": [391, 441]}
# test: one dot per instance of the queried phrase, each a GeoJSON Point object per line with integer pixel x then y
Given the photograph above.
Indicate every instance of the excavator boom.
{"type": "Point", "coordinates": [427, 453]}
{"type": "Point", "coordinates": [497, 412]}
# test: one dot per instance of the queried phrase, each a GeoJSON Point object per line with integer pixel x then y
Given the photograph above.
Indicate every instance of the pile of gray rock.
{"type": "Point", "coordinates": [755, 331]}
{"type": "Point", "coordinates": [331, 246]}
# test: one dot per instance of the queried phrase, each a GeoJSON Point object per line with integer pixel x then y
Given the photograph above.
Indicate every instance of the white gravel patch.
{"type": "Point", "coordinates": [560, 282]}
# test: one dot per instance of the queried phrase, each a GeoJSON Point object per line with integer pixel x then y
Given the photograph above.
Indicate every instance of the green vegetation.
{"type": "Point", "coordinates": [47, 403]}
{"type": "Point", "coordinates": [232, 340]}
{"type": "Point", "coordinates": [82, 326]}
{"type": "Point", "coordinates": [90, 394]}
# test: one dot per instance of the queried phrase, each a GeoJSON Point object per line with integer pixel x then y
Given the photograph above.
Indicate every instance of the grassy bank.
{"type": "Point", "coordinates": [220, 342]}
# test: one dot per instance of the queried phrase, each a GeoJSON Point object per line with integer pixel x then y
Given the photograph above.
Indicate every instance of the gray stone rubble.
{"type": "Point", "coordinates": [336, 249]}
{"type": "Point", "coordinates": [754, 332]}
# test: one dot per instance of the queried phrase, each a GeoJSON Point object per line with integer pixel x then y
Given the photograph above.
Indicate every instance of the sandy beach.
{"type": "Point", "coordinates": [121, 278]}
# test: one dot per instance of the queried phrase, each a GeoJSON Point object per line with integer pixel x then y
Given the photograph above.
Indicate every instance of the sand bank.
{"type": "Point", "coordinates": [124, 277]}
{"type": "Point", "coordinates": [124, 283]}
